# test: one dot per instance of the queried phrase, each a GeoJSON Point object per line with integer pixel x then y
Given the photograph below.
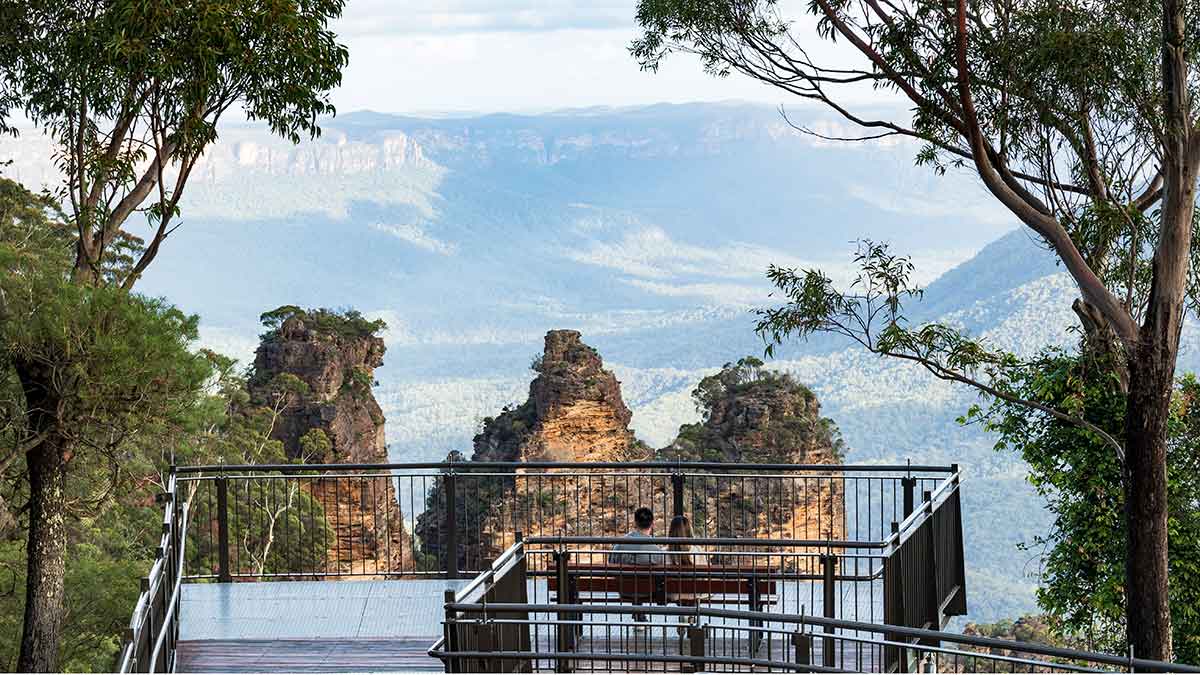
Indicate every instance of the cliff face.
{"type": "Point", "coordinates": [574, 412]}
{"type": "Point", "coordinates": [757, 416]}
{"type": "Point", "coordinates": [321, 380]}
{"type": "Point", "coordinates": [315, 370]}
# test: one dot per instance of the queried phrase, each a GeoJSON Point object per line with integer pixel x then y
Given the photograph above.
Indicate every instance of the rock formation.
{"type": "Point", "coordinates": [749, 414]}
{"type": "Point", "coordinates": [752, 415]}
{"type": "Point", "coordinates": [575, 413]}
{"type": "Point", "coordinates": [315, 369]}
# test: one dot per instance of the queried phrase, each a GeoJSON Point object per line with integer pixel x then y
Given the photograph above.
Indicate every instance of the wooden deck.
{"type": "Point", "coordinates": [310, 627]}
{"type": "Point", "coordinates": [305, 656]}
{"type": "Point", "coordinates": [381, 626]}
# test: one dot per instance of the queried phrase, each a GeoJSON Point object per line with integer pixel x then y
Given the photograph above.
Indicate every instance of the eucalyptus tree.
{"type": "Point", "coordinates": [131, 93]}
{"type": "Point", "coordinates": [1079, 117]}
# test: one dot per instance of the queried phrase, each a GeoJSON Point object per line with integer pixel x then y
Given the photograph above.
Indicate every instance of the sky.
{"type": "Point", "coordinates": [513, 55]}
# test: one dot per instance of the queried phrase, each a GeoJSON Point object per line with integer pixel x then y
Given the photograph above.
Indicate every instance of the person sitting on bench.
{"type": "Point", "coordinates": [685, 556]}
{"type": "Point", "coordinates": [634, 553]}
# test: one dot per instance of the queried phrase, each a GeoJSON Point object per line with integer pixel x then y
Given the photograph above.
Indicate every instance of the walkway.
{"type": "Point", "coordinates": [311, 626]}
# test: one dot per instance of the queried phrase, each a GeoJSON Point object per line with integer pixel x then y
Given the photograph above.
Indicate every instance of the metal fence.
{"type": "Point", "coordinates": [153, 632]}
{"type": "Point", "coordinates": [500, 636]}
{"type": "Point", "coordinates": [662, 614]}
{"type": "Point", "coordinates": [453, 519]}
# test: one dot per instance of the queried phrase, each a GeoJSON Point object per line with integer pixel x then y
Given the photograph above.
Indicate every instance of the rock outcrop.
{"type": "Point", "coordinates": [756, 416]}
{"type": "Point", "coordinates": [315, 370]}
{"type": "Point", "coordinates": [575, 413]}
{"type": "Point", "coordinates": [749, 414]}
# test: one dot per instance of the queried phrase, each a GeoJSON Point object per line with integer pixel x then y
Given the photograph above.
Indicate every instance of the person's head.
{"type": "Point", "coordinates": [680, 527]}
{"type": "Point", "coordinates": [643, 518]}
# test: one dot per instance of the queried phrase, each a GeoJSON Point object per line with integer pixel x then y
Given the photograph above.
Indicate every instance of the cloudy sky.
{"type": "Point", "coordinates": [511, 55]}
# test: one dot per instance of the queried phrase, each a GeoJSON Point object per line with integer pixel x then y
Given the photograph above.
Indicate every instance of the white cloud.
{"type": "Point", "coordinates": [375, 17]}
{"type": "Point", "coordinates": [417, 236]}
{"type": "Point", "coordinates": [650, 253]}
{"type": "Point", "coordinates": [722, 294]}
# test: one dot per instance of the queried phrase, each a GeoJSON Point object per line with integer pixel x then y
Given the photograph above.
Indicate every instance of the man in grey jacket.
{"type": "Point", "coordinates": [632, 552]}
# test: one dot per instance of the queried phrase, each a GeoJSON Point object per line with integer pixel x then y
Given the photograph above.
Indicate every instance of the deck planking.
{"type": "Point", "coordinates": [359, 655]}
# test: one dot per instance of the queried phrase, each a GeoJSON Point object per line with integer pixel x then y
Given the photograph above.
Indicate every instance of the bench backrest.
{"type": "Point", "coordinates": [674, 579]}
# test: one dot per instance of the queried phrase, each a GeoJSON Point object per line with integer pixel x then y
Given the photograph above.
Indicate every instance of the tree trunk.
{"type": "Point", "coordinates": [46, 559]}
{"type": "Point", "coordinates": [1148, 610]}
{"type": "Point", "coordinates": [45, 552]}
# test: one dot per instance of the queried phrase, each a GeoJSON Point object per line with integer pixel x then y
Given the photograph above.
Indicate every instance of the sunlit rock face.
{"type": "Point", "coordinates": [320, 380]}
{"type": "Point", "coordinates": [575, 413]}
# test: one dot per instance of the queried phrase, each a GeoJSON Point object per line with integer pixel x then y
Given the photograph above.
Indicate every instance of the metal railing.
{"type": "Point", "coordinates": [449, 520]}
{"type": "Point", "coordinates": [153, 632]}
{"type": "Point", "coordinates": [493, 625]}
{"type": "Point", "coordinates": [452, 519]}
{"type": "Point", "coordinates": [498, 636]}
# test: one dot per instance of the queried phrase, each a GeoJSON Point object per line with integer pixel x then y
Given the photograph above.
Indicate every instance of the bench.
{"type": "Point", "coordinates": [754, 587]}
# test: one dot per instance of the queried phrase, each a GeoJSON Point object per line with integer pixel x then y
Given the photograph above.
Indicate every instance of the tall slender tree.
{"type": "Point", "coordinates": [132, 93]}
{"type": "Point", "coordinates": [1079, 117]}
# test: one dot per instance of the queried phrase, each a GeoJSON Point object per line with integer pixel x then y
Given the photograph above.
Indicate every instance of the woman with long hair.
{"type": "Point", "coordinates": [683, 555]}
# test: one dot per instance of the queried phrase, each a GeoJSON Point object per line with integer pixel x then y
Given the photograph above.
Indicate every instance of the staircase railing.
{"type": "Point", "coordinates": [153, 633]}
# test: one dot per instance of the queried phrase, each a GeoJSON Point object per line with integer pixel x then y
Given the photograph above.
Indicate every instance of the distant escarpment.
{"type": "Point", "coordinates": [314, 370]}
{"type": "Point", "coordinates": [575, 413]}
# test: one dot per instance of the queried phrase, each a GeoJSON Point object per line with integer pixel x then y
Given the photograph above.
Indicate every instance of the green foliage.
{"type": "Point", "coordinates": [345, 323]}
{"type": "Point", "coordinates": [132, 93]}
{"type": "Point", "coordinates": [792, 421]}
{"type": "Point", "coordinates": [1083, 572]}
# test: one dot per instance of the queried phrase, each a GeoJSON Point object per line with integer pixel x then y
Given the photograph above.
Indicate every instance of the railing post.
{"type": "Point", "coordinates": [802, 648]}
{"type": "Point", "coordinates": [226, 574]}
{"type": "Point", "coordinates": [828, 574]}
{"type": "Point", "coordinates": [910, 486]}
{"type": "Point", "coordinates": [564, 633]}
{"type": "Point", "coordinates": [677, 494]}
{"type": "Point", "coordinates": [451, 636]}
{"type": "Point", "coordinates": [695, 635]}
{"type": "Point", "coordinates": [451, 524]}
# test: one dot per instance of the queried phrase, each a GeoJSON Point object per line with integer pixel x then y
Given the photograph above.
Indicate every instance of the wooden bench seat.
{"type": "Point", "coordinates": [593, 582]}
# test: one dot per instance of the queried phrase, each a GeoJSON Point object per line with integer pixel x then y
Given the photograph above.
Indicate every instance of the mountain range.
{"type": "Point", "coordinates": [647, 229]}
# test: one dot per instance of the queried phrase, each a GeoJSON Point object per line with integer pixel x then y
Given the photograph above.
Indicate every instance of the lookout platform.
{"type": "Point", "coordinates": [311, 626]}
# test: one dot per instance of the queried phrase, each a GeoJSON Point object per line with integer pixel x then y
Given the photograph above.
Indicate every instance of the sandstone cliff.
{"type": "Point", "coordinates": [575, 413]}
{"type": "Point", "coordinates": [315, 370]}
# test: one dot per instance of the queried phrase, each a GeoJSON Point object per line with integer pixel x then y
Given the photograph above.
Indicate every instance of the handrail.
{"type": "Point", "coordinates": [707, 541]}
{"type": "Point", "coordinates": [174, 601]}
{"type": "Point", "coordinates": [469, 466]}
{"type": "Point", "coordinates": [170, 546]}
{"type": "Point", "coordinates": [824, 622]}
{"type": "Point", "coordinates": [489, 573]}
{"type": "Point", "coordinates": [906, 528]}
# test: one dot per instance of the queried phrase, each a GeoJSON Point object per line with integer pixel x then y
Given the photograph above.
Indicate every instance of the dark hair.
{"type": "Point", "coordinates": [644, 518]}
